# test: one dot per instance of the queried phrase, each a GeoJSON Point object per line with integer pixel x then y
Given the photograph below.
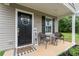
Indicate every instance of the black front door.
{"type": "Point", "coordinates": [24, 29]}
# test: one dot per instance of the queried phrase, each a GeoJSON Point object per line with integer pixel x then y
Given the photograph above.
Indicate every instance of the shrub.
{"type": "Point", "coordinates": [74, 51]}
{"type": "Point", "coordinates": [1, 53]}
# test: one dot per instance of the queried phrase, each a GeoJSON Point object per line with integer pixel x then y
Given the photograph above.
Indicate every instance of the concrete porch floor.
{"type": "Point", "coordinates": [50, 51]}
{"type": "Point", "coordinates": [9, 52]}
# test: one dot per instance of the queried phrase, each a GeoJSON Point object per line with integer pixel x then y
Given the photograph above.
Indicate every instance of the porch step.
{"type": "Point", "coordinates": [25, 50]}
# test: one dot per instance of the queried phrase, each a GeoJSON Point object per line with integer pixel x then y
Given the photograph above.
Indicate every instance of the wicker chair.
{"type": "Point", "coordinates": [57, 36]}
{"type": "Point", "coordinates": [42, 39]}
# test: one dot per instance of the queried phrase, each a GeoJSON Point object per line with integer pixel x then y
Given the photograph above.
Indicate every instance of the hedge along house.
{"type": "Point", "coordinates": [13, 25]}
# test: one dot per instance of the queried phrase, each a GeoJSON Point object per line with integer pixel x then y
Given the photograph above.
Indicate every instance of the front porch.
{"type": "Point", "coordinates": [48, 26]}
{"type": "Point", "coordinates": [41, 51]}
{"type": "Point", "coordinates": [38, 17]}
{"type": "Point", "coordinates": [51, 49]}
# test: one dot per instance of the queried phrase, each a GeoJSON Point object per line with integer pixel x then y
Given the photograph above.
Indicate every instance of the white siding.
{"type": "Point", "coordinates": [38, 22]}
{"type": "Point", "coordinates": [7, 27]}
{"type": "Point", "coordinates": [56, 25]}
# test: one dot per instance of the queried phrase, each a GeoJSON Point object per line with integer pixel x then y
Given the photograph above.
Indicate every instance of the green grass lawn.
{"type": "Point", "coordinates": [68, 37]}
{"type": "Point", "coordinates": [1, 53]}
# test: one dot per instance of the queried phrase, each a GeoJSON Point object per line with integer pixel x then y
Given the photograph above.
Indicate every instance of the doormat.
{"type": "Point", "coordinates": [25, 50]}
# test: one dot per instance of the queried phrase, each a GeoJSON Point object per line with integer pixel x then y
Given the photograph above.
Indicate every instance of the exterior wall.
{"type": "Point", "coordinates": [7, 23]}
{"type": "Point", "coordinates": [38, 23]}
{"type": "Point", "coordinates": [7, 27]}
{"type": "Point", "coordinates": [56, 25]}
{"type": "Point", "coordinates": [37, 15]}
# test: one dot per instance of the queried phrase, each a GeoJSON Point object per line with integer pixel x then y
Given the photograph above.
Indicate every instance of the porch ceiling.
{"type": "Point", "coordinates": [55, 9]}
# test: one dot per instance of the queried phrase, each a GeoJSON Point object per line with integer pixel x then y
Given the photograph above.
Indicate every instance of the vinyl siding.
{"type": "Point", "coordinates": [7, 27]}
{"type": "Point", "coordinates": [38, 23]}
{"type": "Point", "coordinates": [56, 25]}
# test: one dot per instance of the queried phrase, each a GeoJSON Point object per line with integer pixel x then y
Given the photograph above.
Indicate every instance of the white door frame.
{"type": "Point", "coordinates": [16, 28]}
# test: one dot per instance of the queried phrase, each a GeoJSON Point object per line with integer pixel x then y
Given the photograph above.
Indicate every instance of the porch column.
{"type": "Point", "coordinates": [73, 29]}
{"type": "Point", "coordinates": [56, 25]}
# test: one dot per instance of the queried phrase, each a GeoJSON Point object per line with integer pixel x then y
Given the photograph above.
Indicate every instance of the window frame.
{"type": "Point", "coordinates": [47, 33]}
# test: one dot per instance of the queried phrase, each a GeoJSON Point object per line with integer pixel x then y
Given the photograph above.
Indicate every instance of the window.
{"type": "Point", "coordinates": [48, 25]}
